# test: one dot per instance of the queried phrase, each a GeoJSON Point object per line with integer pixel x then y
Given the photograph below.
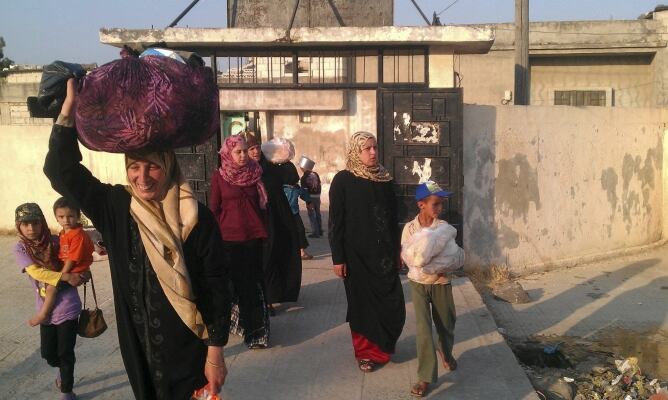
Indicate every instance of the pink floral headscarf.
{"type": "Point", "coordinates": [246, 175]}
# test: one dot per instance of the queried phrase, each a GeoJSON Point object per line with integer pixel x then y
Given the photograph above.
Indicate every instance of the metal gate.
{"type": "Point", "coordinates": [420, 138]}
{"type": "Point", "coordinates": [197, 164]}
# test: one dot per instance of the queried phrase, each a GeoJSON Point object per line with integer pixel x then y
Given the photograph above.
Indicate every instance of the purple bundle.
{"type": "Point", "coordinates": [151, 102]}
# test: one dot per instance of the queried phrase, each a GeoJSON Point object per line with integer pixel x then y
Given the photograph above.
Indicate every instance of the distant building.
{"type": "Point", "coordinates": [579, 63]}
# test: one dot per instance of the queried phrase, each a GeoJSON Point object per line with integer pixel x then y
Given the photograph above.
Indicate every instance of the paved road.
{"type": "Point", "coordinates": [311, 356]}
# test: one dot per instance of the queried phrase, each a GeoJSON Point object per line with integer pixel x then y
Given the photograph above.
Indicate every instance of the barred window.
{"type": "Point", "coordinates": [404, 66]}
{"type": "Point", "coordinates": [579, 98]}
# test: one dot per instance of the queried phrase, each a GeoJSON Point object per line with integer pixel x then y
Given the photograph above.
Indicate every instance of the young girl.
{"type": "Point", "coordinates": [239, 203]}
{"type": "Point", "coordinates": [37, 255]}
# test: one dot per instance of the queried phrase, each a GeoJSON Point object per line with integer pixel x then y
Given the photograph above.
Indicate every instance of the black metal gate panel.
{"type": "Point", "coordinates": [197, 164]}
{"type": "Point", "coordinates": [420, 138]}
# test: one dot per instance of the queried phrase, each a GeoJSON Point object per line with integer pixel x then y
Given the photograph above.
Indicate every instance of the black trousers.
{"type": "Point", "coordinates": [303, 242]}
{"type": "Point", "coordinates": [245, 268]}
{"type": "Point", "coordinates": [57, 348]}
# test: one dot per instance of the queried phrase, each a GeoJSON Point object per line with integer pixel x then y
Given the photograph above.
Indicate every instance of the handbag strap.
{"type": "Point", "coordinates": [92, 287]}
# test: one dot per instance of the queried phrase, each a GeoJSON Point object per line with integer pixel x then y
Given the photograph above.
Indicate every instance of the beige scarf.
{"type": "Point", "coordinates": [354, 164]}
{"type": "Point", "coordinates": [164, 226]}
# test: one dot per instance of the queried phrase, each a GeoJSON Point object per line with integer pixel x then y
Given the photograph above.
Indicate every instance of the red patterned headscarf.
{"type": "Point", "coordinates": [235, 174]}
{"type": "Point", "coordinates": [42, 250]}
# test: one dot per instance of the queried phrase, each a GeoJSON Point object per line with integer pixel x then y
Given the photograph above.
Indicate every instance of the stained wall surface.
{"type": "Point", "coordinates": [310, 13]}
{"type": "Point", "coordinates": [22, 153]}
{"type": "Point", "coordinates": [324, 139]}
{"type": "Point", "coordinates": [555, 184]}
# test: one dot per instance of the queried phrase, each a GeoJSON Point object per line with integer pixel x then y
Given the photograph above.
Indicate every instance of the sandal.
{"type": "Point", "coordinates": [366, 365]}
{"type": "Point", "coordinates": [448, 365]}
{"type": "Point", "coordinates": [420, 389]}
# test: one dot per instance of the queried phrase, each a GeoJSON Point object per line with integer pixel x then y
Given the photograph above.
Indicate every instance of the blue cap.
{"type": "Point", "coordinates": [429, 188]}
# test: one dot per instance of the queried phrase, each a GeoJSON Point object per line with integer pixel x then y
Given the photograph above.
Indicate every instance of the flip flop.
{"type": "Point", "coordinates": [448, 365]}
{"type": "Point", "coordinates": [420, 389]}
{"type": "Point", "coordinates": [366, 365]}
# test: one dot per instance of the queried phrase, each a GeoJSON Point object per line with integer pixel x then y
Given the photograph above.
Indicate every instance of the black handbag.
{"type": "Point", "coordinates": [91, 322]}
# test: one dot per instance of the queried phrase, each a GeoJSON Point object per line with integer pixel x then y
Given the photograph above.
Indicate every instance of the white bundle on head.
{"type": "Point", "coordinates": [278, 150]}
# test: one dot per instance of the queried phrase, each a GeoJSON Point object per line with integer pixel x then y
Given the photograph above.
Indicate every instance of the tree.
{"type": "Point", "coordinates": [4, 61]}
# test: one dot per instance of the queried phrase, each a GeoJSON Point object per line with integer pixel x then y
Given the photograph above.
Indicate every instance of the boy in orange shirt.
{"type": "Point", "coordinates": [76, 252]}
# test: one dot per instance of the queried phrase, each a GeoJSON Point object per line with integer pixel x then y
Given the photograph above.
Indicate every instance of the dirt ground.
{"type": "Point", "coordinates": [580, 321]}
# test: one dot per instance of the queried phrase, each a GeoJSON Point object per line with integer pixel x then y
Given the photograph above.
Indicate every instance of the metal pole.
{"type": "Point", "coordinates": [292, 19]}
{"type": "Point", "coordinates": [183, 14]}
{"type": "Point", "coordinates": [522, 52]}
{"type": "Point", "coordinates": [421, 13]}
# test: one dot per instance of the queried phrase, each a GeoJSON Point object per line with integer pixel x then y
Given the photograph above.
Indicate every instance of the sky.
{"type": "Point", "coordinates": [41, 31]}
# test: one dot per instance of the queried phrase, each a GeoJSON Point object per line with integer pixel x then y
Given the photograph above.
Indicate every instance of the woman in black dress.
{"type": "Point", "coordinates": [364, 237]}
{"type": "Point", "coordinates": [165, 251]}
{"type": "Point", "coordinates": [281, 263]}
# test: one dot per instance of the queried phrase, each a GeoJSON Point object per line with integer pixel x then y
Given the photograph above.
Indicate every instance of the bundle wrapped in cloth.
{"type": "Point", "coordinates": [278, 150]}
{"type": "Point", "coordinates": [432, 251]}
{"type": "Point", "coordinates": [154, 101]}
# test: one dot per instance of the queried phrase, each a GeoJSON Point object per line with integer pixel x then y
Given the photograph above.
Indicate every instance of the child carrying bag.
{"type": "Point", "coordinates": [91, 323]}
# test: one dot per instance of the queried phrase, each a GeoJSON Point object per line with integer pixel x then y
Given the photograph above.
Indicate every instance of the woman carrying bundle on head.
{"type": "Point", "coordinates": [168, 275]}
{"type": "Point", "coordinates": [281, 261]}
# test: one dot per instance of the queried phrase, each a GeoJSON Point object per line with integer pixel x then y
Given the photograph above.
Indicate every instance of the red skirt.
{"type": "Point", "coordinates": [367, 350]}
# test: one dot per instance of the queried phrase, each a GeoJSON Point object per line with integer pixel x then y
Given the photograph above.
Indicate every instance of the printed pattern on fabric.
{"type": "Point", "coordinates": [144, 310]}
{"type": "Point", "coordinates": [260, 337]}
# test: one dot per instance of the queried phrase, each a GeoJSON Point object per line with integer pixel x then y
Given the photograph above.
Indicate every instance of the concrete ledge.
{"type": "Point", "coordinates": [458, 39]}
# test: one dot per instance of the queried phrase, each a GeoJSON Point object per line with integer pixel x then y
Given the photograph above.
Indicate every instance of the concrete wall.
{"type": "Point", "coordinates": [555, 185]}
{"type": "Point", "coordinates": [324, 139]}
{"type": "Point", "coordinates": [22, 153]}
{"type": "Point", "coordinates": [441, 68]}
{"type": "Point", "coordinates": [485, 77]}
{"type": "Point", "coordinates": [277, 14]}
{"type": "Point", "coordinates": [629, 78]}
{"type": "Point", "coordinates": [628, 57]}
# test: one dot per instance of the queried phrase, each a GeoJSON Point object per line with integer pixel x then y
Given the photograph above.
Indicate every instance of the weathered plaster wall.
{"type": "Point", "coordinates": [628, 56]}
{"type": "Point", "coordinates": [485, 77]}
{"type": "Point", "coordinates": [272, 13]}
{"type": "Point", "coordinates": [324, 139]}
{"type": "Point", "coordinates": [441, 72]}
{"type": "Point", "coordinates": [22, 153]}
{"type": "Point", "coordinates": [631, 78]}
{"type": "Point", "coordinates": [551, 185]}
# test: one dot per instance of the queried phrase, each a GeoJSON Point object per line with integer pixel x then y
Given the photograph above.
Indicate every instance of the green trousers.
{"type": "Point", "coordinates": [433, 301]}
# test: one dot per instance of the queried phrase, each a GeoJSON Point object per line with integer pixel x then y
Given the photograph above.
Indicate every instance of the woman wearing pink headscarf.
{"type": "Point", "coordinates": [239, 202]}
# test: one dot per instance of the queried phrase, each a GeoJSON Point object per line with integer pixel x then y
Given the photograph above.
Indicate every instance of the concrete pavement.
{"type": "Point", "coordinates": [310, 358]}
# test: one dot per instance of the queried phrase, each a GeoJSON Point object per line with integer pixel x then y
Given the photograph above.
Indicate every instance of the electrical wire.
{"type": "Point", "coordinates": [445, 9]}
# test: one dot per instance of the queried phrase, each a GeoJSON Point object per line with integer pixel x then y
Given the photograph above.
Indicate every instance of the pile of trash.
{"type": "Point", "coordinates": [625, 382]}
{"type": "Point", "coordinates": [567, 368]}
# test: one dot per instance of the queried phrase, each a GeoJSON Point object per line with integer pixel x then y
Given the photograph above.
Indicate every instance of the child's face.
{"type": "Point", "coordinates": [67, 218]}
{"type": "Point", "coordinates": [254, 152]}
{"type": "Point", "coordinates": [31, 229]}
{"type": "Point", "coordinates": [431, 206]}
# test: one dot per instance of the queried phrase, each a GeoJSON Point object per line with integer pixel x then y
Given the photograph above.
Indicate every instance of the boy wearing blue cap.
{"type": "Point", "coordinates": [429, 250]}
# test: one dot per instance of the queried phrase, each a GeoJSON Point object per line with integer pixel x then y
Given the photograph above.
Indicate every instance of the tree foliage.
{"type": "Point", "coordinates": [4, 61]}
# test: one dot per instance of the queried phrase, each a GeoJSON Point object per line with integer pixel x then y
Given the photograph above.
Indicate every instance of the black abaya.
{"type": "Point", "coordinates": [363, 234]}
{"type": "Point", "coordinates": [282, 264]}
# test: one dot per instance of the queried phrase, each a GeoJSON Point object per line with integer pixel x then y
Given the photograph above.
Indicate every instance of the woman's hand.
{"type": "Point", "coordinates": [215, 369]}
{"type": "Point", "coordinates": [340, 270]}
{"type": "Point", "coordinates": [72, 279]}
